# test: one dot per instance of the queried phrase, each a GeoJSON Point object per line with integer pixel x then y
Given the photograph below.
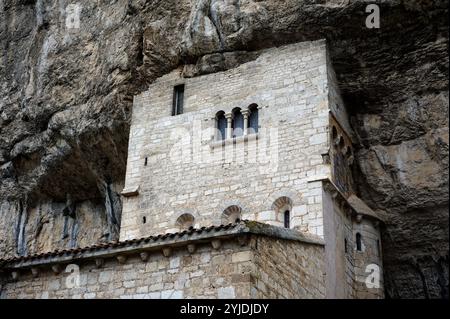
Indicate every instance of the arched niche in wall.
{"type": "Point", "coordinates": [185, 221]}
{"type": "Point", "coordinates": [231, 214]}
{"type": "Point", "coordinates": [341, 157]}
{"type": "Point", "coordinates": [283, 208]}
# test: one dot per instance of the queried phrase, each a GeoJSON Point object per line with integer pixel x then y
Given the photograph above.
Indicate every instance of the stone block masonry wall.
{"type": "Point", "coordinates": [288, 270]}
{"type": "Point", "coordinates": [290, 86]}
{"type": "Point", "coordinates": [262, 268]}
{"type": "Point", "coordinates": [339, 245]}
{"type": "Point", "coordinates": [368, 261]}
{"type": "Point", "coordinates": [208, 273]}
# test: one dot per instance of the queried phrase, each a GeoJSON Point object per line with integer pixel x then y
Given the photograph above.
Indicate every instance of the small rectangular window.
{"type": "Point", "coordinates": [178, 97]}
{"type": "Point", "coordinates": [358, 242]}
{"type": "Point", "coordinates": [287, 219]}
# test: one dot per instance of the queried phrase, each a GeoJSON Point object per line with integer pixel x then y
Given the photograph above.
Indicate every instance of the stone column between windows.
{"type": "Point", "coordinates": [245, 114]}
{"type": "Point", "coordinates": [229, 117]}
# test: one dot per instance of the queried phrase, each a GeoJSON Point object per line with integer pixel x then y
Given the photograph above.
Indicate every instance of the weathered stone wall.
{"type": "Point", "coordinates": [232, 271]}
{"type": "Point", "coordinates": [180, 276]}
{"type": "Point", "coordinates": [289, 84]}
{"type": "Point", "coordinates": [58, 224]}
{"type": "Point", "coordinates": [338, 258]}
{"type": "Point", "coordinates": [288, 270]}
{"type": "Point", "coordinates": [368, 261]}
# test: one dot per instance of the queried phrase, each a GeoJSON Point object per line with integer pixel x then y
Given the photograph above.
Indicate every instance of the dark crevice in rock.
{"type": "Point", "coordinates": [442, 270]}
{"type": "Point", "coordinates": [423, 280]}
{"type": "Point", "coordinates": [40, 222]}
{"type": "Point", "coordinates": [113, 208]}
{"type": "Point", "coordinates": [21, 246]}
{"type": "Point", "coordinates": [73, 232]}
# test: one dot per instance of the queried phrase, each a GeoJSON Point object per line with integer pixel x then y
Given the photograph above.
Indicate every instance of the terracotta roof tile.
{"type": "Point", "coordinates": [248, 227]}
{"type": "Point", "coordinates": [114, 244]}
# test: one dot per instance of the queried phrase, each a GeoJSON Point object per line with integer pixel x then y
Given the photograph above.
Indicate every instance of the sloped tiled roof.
{"type": "Point", "coordinates": [118, 244]}
{"type": "Point", "coordinates": [173, 239]}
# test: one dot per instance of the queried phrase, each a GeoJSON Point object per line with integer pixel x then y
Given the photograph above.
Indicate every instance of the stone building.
{"type": "Point", "coordinates": [238, 185]}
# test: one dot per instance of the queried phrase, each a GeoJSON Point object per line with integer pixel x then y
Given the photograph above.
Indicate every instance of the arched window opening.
{"type": "Point", "coordinates": [287, 219]}
{"type": "Point", "coordinates": [185, 221]}
{"type": "Point", "coordinates": [253, 119]}
{"type": "Point", "coordinates": [144, 219]}
{"type": "Point", "coordinates": [358, 242]}
{"type": "Point", "coordinates": [231, 214]}
{"type": "Point", "coordinates": [221, 125]}
{"type": "Point", "coordinates": [283, 207]}
{"type": "Point", "coordinates": [238, 123]}
{"type": "Point", "coordinates": [345, 245]}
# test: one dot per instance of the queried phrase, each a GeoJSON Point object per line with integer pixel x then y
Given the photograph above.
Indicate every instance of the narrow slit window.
{"type": "Point", "coordinates": [287, 219]}
{"type": "Point", "coordinates": [253, 119]}
{"type": "Point", "coordinates": [221, 126]}
{"type": "Point", "coordinates": [178, 99]}
{"type": "Point", "coordinates": [358, 242]}
{"type": "Point", "coordinates": [238, 123]}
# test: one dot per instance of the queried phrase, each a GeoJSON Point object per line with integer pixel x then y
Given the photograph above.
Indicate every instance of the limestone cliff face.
{"type": "Point", "coordinates": [66, 95]}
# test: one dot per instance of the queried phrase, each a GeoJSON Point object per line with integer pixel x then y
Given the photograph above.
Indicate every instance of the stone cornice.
{"type": "Point", "coordinates": [357, 206]}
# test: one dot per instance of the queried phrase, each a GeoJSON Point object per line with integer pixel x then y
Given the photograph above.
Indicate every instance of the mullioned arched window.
{"type": "Point", "coordinates": [221, 126]}
{"type": "Point", "coordinates": [253, 119]}
{"type": "Point", "coordinates": [238, 122]}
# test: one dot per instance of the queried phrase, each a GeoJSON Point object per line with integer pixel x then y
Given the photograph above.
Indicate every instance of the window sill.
{"type": "Point", "coordinates": [234, 140]}
{"type": "Point", "coordinates": [130, 192]}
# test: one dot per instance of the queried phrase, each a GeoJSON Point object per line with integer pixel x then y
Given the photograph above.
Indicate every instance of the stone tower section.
{"type": "Point", "coordinates": [180, 173]}
{"type": "Point", "coordinates": [269, 141]}
{"type": "Point", "coordinates": [250, 171]}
